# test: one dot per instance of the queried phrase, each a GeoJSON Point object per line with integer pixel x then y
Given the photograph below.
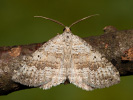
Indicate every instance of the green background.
{"type": "Point", "coordinates": [18, 26]}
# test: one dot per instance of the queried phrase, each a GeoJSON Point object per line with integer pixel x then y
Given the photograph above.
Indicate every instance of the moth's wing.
{"type": "Point", "coordinates": [89, 69]}
{"type": "Point", "coordinates": [44, 67]}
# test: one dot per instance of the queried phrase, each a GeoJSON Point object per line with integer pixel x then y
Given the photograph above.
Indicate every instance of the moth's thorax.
{"type": "Point", "coordinates": [67, 37]}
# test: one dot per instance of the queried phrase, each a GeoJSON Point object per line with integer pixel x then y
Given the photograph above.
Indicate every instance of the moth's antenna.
{"type": "Point", "coordinates": [52, 20]}
{"type": "Point", "coordinates": [82, 19]}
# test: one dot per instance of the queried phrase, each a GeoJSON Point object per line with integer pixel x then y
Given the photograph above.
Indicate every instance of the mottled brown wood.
{"type": "Point", "coordinates": [117, 46]}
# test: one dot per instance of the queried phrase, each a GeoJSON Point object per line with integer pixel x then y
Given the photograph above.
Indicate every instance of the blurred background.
{"type": "Point", "coordinates": [19, 27]}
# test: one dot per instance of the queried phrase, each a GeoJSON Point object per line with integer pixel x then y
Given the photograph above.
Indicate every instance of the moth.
{"type": "Point", "coordinates": [66, 57]}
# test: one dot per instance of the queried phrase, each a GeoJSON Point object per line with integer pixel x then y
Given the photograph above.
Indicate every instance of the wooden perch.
{"type": "Point", "coordinates": [116, 45]}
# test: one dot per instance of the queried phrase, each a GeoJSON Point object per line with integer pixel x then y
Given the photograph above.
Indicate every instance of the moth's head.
{"type": "Point", "coordinates": [67, 29]}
